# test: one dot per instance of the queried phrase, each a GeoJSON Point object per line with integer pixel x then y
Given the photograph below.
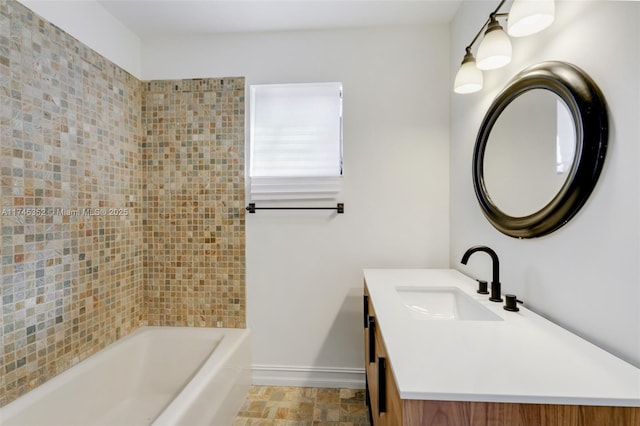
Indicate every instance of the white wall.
{"type": "Point", "coordinates": [304, 279]}
{"type": "Point", "coordinates": [89, 22]}
{"type": "Point", "coordinates": [586, 275]}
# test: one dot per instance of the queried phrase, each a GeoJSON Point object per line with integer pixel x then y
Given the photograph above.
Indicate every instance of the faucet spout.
{"type": "Point", "coordinates": [495, 282]}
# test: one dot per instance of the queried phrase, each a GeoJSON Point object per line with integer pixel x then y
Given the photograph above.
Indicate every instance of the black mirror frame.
{"type": "Point", "coordinates": [588, 109]}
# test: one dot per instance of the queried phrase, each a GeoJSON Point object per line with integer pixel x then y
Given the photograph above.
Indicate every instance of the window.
{"type": "Point", "coordinates": [296, 141]}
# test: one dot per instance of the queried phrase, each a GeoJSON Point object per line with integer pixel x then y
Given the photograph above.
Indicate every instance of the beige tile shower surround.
{"type": "Point", "coordinates": [122, 202]}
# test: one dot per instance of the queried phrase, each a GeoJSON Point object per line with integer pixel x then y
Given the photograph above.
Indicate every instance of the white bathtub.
{"type": "Point", "coordinates": [154, 376]}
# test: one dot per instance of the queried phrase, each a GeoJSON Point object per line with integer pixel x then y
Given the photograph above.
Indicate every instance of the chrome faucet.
{"type": "Point", "coordinates": [495, 283]}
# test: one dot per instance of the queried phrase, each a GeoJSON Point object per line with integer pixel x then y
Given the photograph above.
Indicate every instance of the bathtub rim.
{"type": "Point", "coordinates": [220, 359]}
{"type": "Point", "coordinates": [27, 400]}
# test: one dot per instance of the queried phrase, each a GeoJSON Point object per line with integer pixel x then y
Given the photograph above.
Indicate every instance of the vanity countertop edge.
{"type": "Point", "coordinates": [524, 358]}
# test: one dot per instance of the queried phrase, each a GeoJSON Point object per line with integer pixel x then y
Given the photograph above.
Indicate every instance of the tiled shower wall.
{"type": "Point", "coordinates": [193, 160]}
{"type": "Point", "coordinates": [116, 209]}
{"type": "Point", "coordinates": [70, 186]}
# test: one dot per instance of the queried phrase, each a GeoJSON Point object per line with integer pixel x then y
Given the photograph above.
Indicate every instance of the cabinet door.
{"type": "Point", "coordinates": [370, 358]}
{"type": "Point", "coordinates": [389, 403]}
{"type": "Point", "coordinates": [393, 403]}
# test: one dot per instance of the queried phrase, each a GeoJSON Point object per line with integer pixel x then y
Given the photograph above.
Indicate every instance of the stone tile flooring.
{"type": "Point", "coordinates": [295, 406]}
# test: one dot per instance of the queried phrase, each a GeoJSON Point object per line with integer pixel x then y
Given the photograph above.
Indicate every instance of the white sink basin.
{"type": "Point", "coordinates": [443, 303]}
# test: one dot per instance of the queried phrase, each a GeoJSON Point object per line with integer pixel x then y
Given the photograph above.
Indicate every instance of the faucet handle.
{"type": "Point", "coordinates": [482, 287]}
{"type": "Point", "coordinates": [511, 303]}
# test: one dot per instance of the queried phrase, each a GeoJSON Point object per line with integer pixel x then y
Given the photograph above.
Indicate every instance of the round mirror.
{"type": "Point", "coordinates": [540, 150]}
{"type": "Point", "coordinates": [529, 153]}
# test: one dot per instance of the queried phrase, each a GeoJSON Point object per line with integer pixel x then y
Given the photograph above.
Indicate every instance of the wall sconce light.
{"type": "Point", "coordinates": [530, 17]}
{"type": "Point", "coordinates": [526, 17]}
{"type": "Point", "coordinates": [469, 78]}
{"type": "Point", "coordinates": [495, 49]}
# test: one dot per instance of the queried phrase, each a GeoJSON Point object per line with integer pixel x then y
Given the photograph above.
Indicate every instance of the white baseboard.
{"type": "Point", "coordinates": [321, 377]}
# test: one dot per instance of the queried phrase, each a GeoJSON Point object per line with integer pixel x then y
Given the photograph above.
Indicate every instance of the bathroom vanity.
{"type": "Point", "coordinates": [438, 353]}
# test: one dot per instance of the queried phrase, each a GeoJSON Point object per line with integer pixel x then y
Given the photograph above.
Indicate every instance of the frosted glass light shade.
{"type": "Point", "coordinates": [528, 17]}
{"type": "Point", "coordinates": [495, 49]}
{"type": "Point", "coordinates": [469, 78]}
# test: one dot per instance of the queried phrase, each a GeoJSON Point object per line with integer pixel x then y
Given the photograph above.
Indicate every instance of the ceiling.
{"type": "Point", "coordinates": [161, 18]}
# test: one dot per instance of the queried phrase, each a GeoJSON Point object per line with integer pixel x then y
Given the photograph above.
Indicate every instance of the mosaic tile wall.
{"type": "Point", "coordinates": [107, 225]}
{"type": "Point", "coordinates": [69, 185]}
{"type": "Point", "coordinates": [193, 156]}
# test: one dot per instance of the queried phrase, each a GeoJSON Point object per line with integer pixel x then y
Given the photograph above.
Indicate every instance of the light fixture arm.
{"type": "Point", "coordinates": [493, 15]}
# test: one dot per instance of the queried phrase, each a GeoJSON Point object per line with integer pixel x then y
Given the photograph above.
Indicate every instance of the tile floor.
{"type": "Point", "coordinates": [295, 406]}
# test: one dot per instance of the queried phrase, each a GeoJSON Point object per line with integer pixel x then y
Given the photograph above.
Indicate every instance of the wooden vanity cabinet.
{"type": "Point", "coordinates": [388, 409]}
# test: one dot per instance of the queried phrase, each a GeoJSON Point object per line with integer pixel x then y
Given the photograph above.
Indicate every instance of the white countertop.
{"type": "Point", "coordinates": [524, 358]}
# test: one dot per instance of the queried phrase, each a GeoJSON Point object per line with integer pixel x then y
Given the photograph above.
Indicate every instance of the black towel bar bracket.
{"type": "Point", "coordinates": [251, 208]}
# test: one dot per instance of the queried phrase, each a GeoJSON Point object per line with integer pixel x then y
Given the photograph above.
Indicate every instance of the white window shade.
{"type": "Point", "coordinates": [296, 141]}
